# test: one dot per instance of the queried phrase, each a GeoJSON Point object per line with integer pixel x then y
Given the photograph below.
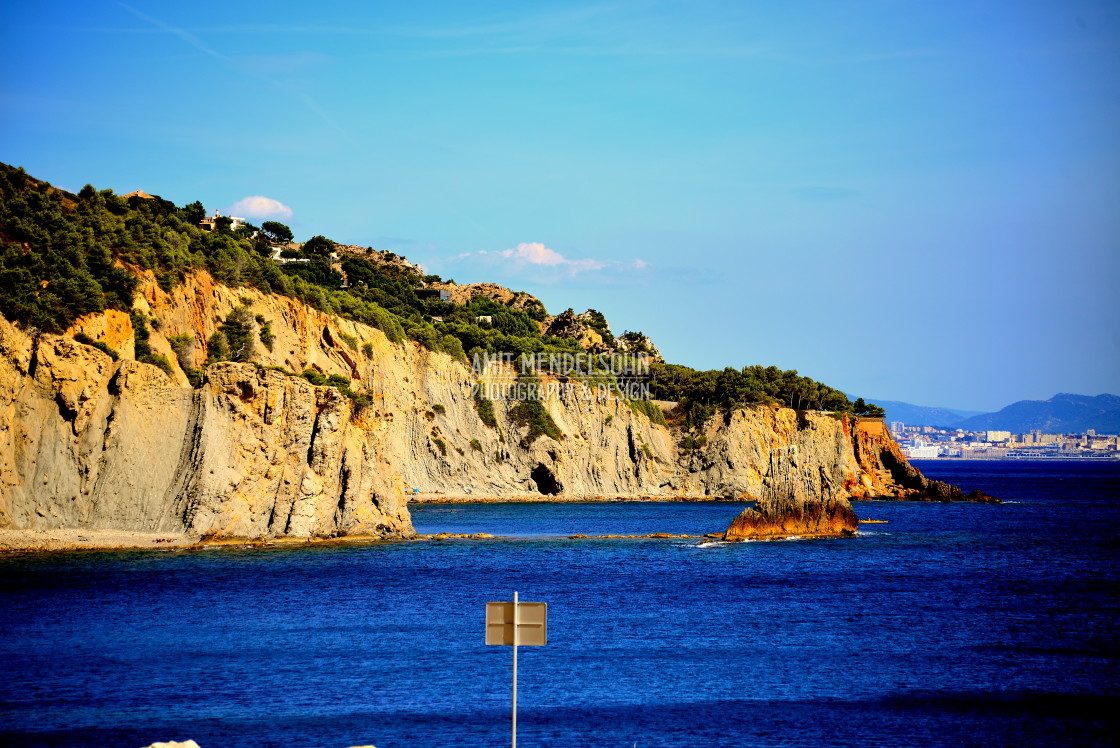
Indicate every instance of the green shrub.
{"type": "Point", "coordinates": [450, 345]}
{"type": "Point", "coordinates": [596, 321]}
{"type": "Point", "coordinates": [438, 408]}
{"type": "Point", "coordinates": [367, 348]}
{"type": "Point", "coordinates": [144, 352]}
{"type": "Point", "coordinates": [350, 340]}
{"type": "Point", "coordinates": [690, 442]}
{"type": "Point", "coordinates": [476, 445]}
{"type": "Point", "coordinates": [441, 445]}
{"type": "Point", "coordinates": [140, 334]}
{"type": "Point", "coordinates": [233, 340]}
{"type": "Point", "coordinates": [697, 415]}
{"type": "Point", "coordinates": [99, 345]}
{"type": "Point", "coordinates": [264, 332]}
{"type": "Point", "coordinates": [238, 331]}
{"type": "Point", "coordinates": [532, 414]}
{"type": "Point", "coordinates": [316, 378]}
{"type": "Point", "coordinates": [339, 382]}
{"type": "Point", "coordinates": [217, 349]}
{"type": "Point", "coordinates": [649, 409]}
{"type": "Point", "coordinates": [183, 348]}
{"type": "Point", "coordinates": [485, 410]}
{"type": "Point", "coordinates": [387, 322]}
{"type": "Point", "coordinates": [156, 359]}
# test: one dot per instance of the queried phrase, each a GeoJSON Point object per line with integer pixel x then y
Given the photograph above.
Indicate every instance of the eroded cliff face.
{"type": "Point", "coordinates": [254, 452]}
{"type": "Point", "coordinates": [90, 443]}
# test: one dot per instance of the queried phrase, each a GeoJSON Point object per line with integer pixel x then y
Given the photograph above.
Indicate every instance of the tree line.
{"type": "Point", "coordinates": [730, 387]}
{"type": "Point", "coordinates": [63, 256]}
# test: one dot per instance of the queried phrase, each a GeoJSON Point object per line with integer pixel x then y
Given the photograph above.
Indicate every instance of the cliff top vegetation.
{"type": "Point", "coordinates": [63, 256]}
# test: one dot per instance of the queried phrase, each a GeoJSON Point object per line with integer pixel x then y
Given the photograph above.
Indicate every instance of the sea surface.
{"type": "Point", "coordinates": [961, 624]}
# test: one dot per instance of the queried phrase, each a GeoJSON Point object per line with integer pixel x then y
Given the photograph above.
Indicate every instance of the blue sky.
{"type": "Point", "coordinates": [909, 201]}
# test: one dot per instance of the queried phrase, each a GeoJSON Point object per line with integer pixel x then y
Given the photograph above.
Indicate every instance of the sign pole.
{"type": "Point", "coordinates": [504, 621]}
{"type": "Point", "coordinates": [513, 742]}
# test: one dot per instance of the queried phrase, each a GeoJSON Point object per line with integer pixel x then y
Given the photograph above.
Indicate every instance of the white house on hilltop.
{"type": "Point", "coordinates": [210, 223]}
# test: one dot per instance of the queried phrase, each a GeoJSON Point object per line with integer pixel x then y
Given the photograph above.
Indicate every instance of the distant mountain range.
{"type": "Point", "coordinates": [921, 415]}
{"type": "Point", "coordinates": [1064, 413]}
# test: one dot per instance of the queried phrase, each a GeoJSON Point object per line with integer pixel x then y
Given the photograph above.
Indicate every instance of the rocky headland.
{"type": "Point", "coordinates": [169, 379]}
{"type": "Point", "coordinates": [89, 443]}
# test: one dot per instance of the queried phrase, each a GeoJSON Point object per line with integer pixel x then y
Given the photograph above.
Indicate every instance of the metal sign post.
{"type": "Point", "coordinates": [516, 624]}
{"type": "Point", "coordinates": [513, 710]}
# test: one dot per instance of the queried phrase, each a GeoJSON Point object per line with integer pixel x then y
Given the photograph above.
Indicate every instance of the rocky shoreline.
{"type": "Point", "coordinates": [764, 520]}
{"type": "Point", "coordinates": [67, 540]}
{"type": "Point", "coordinates": [472, 498]}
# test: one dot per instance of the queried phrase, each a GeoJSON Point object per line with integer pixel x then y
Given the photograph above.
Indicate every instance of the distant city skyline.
{"type": "Point", "coordinates": [928, 443]}
{"type": "Point", "coordinates": [914, 202]}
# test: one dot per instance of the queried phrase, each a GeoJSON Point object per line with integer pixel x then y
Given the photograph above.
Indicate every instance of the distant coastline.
{"type": "Point", "coordinates": [931, 443]}
{"type": "Point", "coordinates": [1037, 458]}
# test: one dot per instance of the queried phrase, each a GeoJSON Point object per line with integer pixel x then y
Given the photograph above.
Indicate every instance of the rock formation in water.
{"type": "Point", "coordinates": [787, 517]}
{"type": "Point", "coordinates": [255, 451]}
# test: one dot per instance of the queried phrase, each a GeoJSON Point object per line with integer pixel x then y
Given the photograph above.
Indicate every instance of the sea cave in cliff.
{"type": "Point", "coordinates": [546, 481]}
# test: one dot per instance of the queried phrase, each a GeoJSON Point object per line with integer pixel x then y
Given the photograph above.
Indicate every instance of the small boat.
{"type": "Point", "coordinates": [874, 521]}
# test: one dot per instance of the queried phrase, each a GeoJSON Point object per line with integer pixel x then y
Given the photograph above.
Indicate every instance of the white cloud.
{"type": "Point", "coordinates": [259, 206]}
{"type": "Point", "coordinates": [535, 253]}
{"type": "Point", "coordinates": [534, 258]}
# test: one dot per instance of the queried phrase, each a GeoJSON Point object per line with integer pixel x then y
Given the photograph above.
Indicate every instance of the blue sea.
{"type": "Point", "coordinates": [961, 624]}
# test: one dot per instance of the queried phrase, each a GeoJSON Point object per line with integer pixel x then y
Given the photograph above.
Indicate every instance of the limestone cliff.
{"type": "Point", "coordinates": [256, 452]}
{"type": "Point", "coordinates": [87, 442]}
